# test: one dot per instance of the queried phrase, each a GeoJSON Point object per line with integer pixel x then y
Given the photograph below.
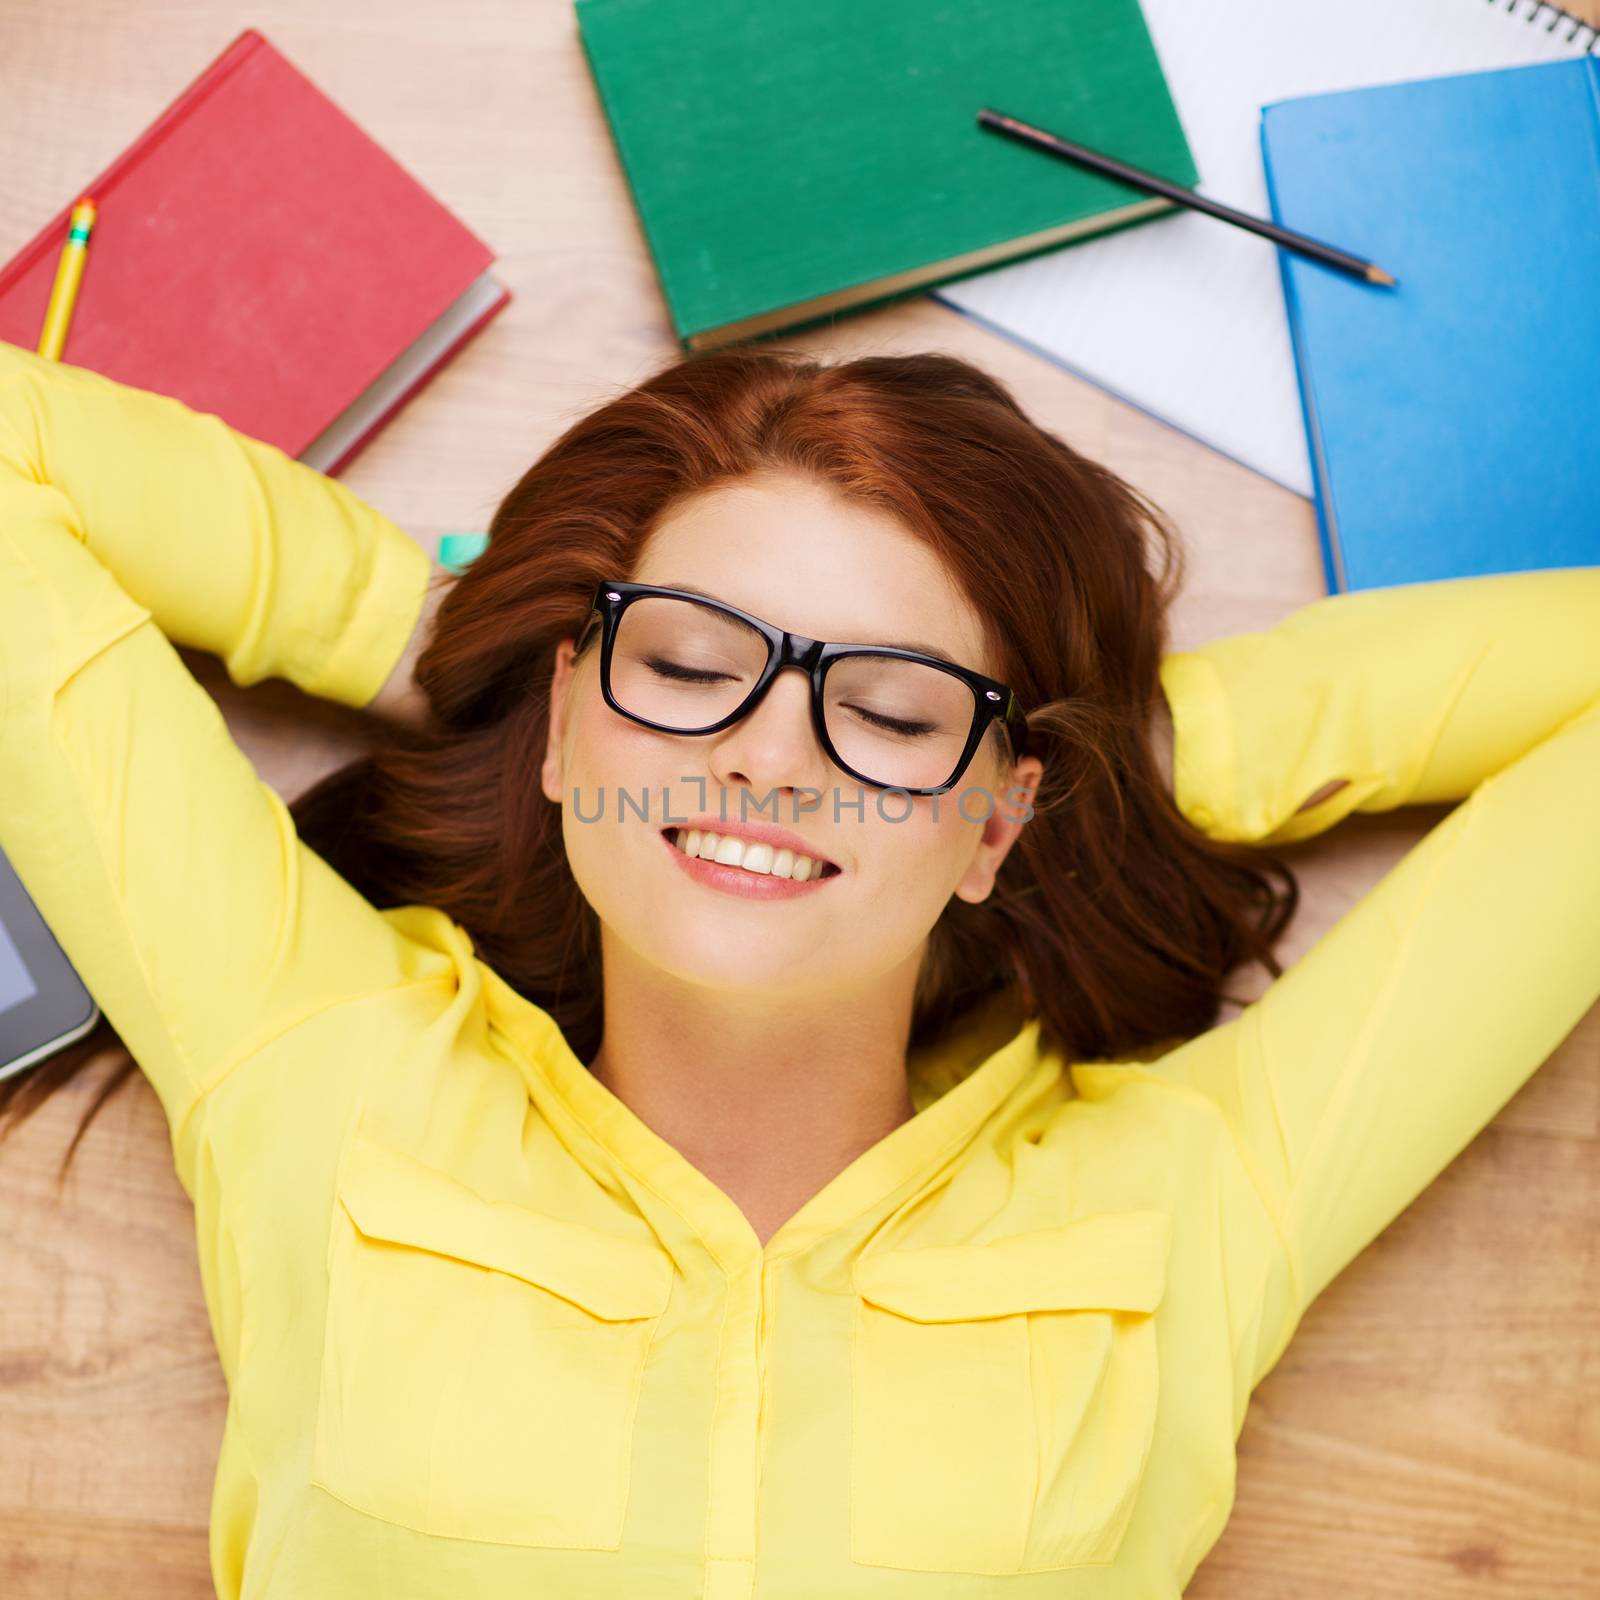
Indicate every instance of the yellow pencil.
{"type": "Point", "coordinates": [69, 272]}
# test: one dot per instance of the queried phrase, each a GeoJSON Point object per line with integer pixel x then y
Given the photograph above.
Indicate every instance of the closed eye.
{"type": "Point", "coordinates": [895, 725]}
{"type": "Point", "coordinates": [676, 673]}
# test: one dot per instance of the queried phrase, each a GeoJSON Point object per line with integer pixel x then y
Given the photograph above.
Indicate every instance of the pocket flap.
{"type": "Point", "coordinates": [1113, 1261]}
{"type": "Point", "coordinates": [394, 1197]}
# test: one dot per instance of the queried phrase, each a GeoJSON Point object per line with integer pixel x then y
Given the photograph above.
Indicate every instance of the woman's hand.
{"type": "Point", "coordinates": [1161, 738]}
{"type": "Point", "coordinates": [400, 700]}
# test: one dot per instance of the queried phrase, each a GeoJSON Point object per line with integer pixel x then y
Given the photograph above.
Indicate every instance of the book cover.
{"type": "Point", "coordinates": [789, 163]}
{"type": "Point", "coordinates": [258, 256]}
{"type": "Point", "coordinates": [1441, 412]}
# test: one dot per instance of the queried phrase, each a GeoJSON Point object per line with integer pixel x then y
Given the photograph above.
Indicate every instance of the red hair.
{"type": "Point", "coordinates": [1112, 919]}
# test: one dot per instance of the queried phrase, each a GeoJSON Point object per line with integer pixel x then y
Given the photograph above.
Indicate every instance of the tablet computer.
{"type": "Point", "coordinates": [43, 1003]}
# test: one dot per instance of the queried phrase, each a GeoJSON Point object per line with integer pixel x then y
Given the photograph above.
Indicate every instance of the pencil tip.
{"type": "Point", "coordinates": [1378, 275]}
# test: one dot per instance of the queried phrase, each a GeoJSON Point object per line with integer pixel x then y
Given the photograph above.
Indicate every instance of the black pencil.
{"type": "Point", "coordinates": [1055, 145]}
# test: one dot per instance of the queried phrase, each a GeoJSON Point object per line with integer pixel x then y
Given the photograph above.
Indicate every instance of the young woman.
{"type": "Point", "coordinates": [668, 1124]}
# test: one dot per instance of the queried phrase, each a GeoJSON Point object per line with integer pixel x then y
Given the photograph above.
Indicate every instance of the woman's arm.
{"type": "Point", "coordinates": [1411, 695]}
{"type": "Point", "coordinates": [169, 873]}
{"type": "Point", "coordinates": [1369, 1065]}
{"type": "Point", "coordinates": [231, 545]}
{"type": "Point", "coordinates": [1161, 744]}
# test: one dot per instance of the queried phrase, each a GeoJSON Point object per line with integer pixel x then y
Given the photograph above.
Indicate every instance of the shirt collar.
{"type": "Point", "coordinates": [564, 1086]}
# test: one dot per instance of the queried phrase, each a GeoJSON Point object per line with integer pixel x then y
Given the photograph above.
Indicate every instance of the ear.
{"type": "Point", "coordinates": [1012, 807]}
{"type": "Point", "coordinates": [550, 771]}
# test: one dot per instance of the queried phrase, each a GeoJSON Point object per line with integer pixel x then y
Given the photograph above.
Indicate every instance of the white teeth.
{"type": "Point", "coordinates": [731, 851]}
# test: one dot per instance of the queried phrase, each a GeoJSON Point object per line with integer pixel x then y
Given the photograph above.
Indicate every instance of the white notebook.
{"type": "Point", "coordinates": [1183, 316]}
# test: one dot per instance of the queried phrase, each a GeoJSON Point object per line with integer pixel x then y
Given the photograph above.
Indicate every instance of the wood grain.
{"type": "Point", "coordinates": [1432, 1430]}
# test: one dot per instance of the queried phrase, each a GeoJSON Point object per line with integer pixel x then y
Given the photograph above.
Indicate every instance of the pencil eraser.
{"type": "Point", "coordinates": [457, 551]}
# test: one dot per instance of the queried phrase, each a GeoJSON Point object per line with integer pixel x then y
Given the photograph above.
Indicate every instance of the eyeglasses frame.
{"type": "Point", "coordinates": [992, 700]}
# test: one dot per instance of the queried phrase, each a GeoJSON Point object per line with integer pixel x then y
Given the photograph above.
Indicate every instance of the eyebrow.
{"type": "Point", "coordinates": [894, 644]}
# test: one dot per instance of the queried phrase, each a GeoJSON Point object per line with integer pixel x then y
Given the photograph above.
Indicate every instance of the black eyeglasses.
{"type": "Point", "coordinates": [891, 718]}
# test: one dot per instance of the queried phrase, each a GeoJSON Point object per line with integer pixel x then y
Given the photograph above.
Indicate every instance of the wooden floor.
{"type": "Point", "coordinates": [1434, 1428]}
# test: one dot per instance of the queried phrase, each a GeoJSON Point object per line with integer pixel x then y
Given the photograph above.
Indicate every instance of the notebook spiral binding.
{"type": "Point", "coordinates": [1534, 11]}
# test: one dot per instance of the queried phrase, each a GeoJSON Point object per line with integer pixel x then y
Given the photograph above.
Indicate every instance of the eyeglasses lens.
{"type": "Point", "coordinates": [687, 666]}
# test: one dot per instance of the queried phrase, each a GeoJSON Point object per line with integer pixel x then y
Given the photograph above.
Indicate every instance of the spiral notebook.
{"type": "Point", "coordinates": [1480, 192]}
{"type": "Point", "coordinates": [1183, 316]}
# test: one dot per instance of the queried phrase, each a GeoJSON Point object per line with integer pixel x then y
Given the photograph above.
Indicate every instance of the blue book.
{"type": "Point", "coordinates": [1448, 417]}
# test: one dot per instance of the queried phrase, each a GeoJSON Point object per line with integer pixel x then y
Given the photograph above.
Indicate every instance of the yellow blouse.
{"type": "Point", "coordinates": [484, 1331]}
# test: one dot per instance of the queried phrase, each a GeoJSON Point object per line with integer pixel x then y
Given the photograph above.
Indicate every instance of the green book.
{"type": "Point", "coordinates": [791, 160]}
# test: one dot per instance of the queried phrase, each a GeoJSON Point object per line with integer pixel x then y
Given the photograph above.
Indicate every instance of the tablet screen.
{"type": "Point", "coordinates": [44, 1004]}
{"type": "Point", "coordinates": [16, 983]}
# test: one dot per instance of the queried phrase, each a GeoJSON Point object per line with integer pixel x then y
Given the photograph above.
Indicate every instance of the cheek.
{"type": "Point", "coordinates": [603, 753]}
{"type": "Point", "coordinates": [915, 863]}
{"type": "Point", "coordinates": [616, 777]}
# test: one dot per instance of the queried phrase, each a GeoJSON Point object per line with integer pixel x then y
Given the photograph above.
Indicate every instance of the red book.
{"type": "Point", "coordinates": [258, 256]}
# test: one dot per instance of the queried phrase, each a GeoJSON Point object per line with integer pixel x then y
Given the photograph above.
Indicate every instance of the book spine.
{"type": "Point", "coordinates": [403, 399]}
{"type": "Point", "coordinates": [48, 238]}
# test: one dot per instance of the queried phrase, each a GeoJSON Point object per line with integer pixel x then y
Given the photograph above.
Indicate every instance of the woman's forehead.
{"type": "Point", "coordinates": [800, 556]}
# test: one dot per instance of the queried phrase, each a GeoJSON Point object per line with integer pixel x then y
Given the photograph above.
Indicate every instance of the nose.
{"type": "Point", "coordinates": [774, 746]}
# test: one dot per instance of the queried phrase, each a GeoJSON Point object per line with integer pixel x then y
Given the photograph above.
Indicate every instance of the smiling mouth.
{"type": "Point", "coordinates": [762, 860]}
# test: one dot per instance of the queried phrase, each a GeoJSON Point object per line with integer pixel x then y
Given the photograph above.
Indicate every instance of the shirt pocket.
{"type": "Point", "coordinates": [481, 1362]}
{"type": "Point", "coordinates": [1003, 1396]}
